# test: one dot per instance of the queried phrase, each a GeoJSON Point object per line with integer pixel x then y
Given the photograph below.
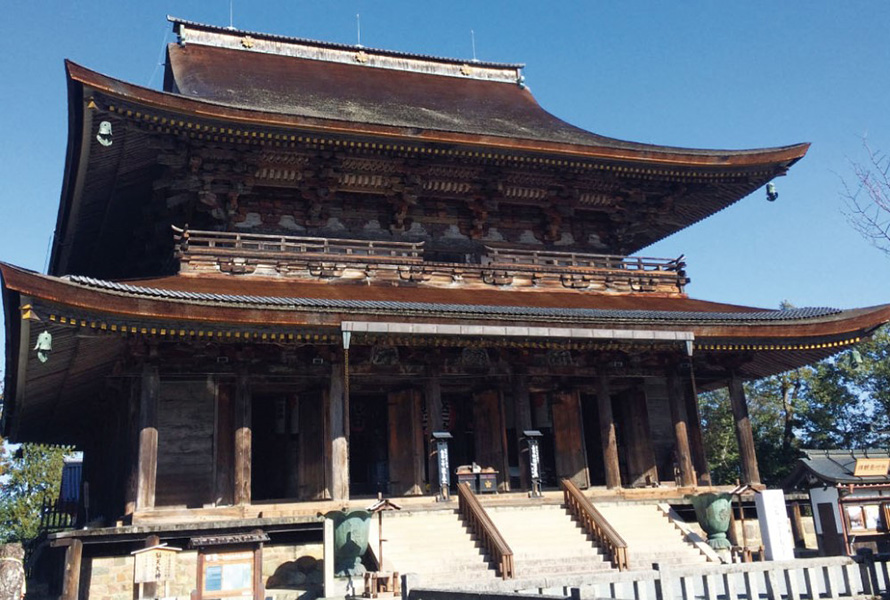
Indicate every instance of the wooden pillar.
{"type": "Point", "coordinates": [693, 420]}
{"type": "Point", "coordinates": [338, 476]}
{"type": "Point", "coordinates": [71, 579]}
{"type": "Point", "coordinates": [522, 417]}
{"type": "Point", "coordinates": [608, 434]}
{"type": "Point", "coordinates": [433, 395]}
{"type": "Point", "coordinates": [680, 420]}
{"type": "Point", "coordinates": [148, 437]}
{"type": "Point", "coordinates": [132, 482]}
{"type": "Point", "coordinates": [797, 531]}
{"type": "Point", "coordinates": [243, 438]}
{"type": "Point", "coordinates": [224, 482]}
{"type": "Point", "coordinates": [640, 455]}
{"type": "Point", "coordinates": [744, 434]}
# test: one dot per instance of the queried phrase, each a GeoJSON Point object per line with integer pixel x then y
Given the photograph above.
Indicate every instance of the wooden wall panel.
{"type": "Point", "coordinates": [568, 438]}
{"type": "Point", "coordinates": [311, 459]}
{"type": "Point", "coordinates": [490, 435]}
{"type": "Point", "coordinates": [660, 427]}
{"type": "Point", "coordinates": [405, 444]}
{"type": "Point", "coordinates": [185, 444]}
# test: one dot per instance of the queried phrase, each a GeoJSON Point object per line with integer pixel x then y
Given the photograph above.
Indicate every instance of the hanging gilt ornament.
{"type": "Point", "coordinates": [44, 346]}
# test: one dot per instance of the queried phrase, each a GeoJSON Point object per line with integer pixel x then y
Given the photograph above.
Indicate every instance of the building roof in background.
{"type": "Point", "coordinates": [819, 467]}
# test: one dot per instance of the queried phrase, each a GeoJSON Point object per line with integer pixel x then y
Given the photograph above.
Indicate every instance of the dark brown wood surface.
{"type": "Point", "coordinates": [640, 456]}
{"type": "Point", "coordinates": [224, 471]}
{"type": "Point", "coordinates": [744, 434]}
{"type": "Point", "coordinates": [311, 454]}
{"type": "Point", "coordinates": [568, 438]}
{"type": "Point", "coordinates": [71, 580]}
{"type": "Point", "coordinates": [243, 438]}
{"type": "Point", "coordinates": [490, 434]}
{"type": "Point", "coordinates": [679, 420]}
{"type": "Point", "coordinates": [608, 434]}
{"type": "Point", "coordinates": [148, 437]}
{"type": "Point", "coordinates": [405, 443]}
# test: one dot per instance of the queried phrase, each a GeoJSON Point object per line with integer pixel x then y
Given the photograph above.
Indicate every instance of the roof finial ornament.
{"type": "Point", "coordinates": [231, 15]}
{"type": "Point", "coordinates": [358, 29]}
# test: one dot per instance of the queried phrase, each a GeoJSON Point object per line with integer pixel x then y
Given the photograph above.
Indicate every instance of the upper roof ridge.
{"type": "Point", "coordinates": [190, 32]}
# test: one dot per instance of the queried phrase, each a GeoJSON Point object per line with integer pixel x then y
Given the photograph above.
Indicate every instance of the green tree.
{"type": "Point", "coordinates": [32, 472]}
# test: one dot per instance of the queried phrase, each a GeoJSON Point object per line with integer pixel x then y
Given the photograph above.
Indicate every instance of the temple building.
{"type": "Point", "coordinates": [273, 280]}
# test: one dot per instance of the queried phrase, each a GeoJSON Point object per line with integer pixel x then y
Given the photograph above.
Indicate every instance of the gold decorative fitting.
{"type": "Point", "coordinates": [361, 57]}
{"type": "Point", "coordinates": [466, 70]}
{"type": "Point", "coordinates": [247, 41]}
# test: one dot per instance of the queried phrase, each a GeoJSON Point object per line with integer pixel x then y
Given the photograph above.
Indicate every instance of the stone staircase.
{"type": "Point", "coordinates": [546, 540]}
{"type": "Point", "coordinates": [651, 537]}
{"type": "Point", "coordinates": [435, 545]}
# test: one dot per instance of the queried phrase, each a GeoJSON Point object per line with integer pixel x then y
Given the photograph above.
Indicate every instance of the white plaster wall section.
{"type": "Point", "coordinates": [288, 222]}
{"type": "Point", "coordinates": [250, 221]}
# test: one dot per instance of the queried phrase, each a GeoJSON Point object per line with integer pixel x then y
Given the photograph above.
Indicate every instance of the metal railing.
{"type": "Point", "coordinates": [483, 527]}
{"type": "Point", "coordinates": [595, 524]}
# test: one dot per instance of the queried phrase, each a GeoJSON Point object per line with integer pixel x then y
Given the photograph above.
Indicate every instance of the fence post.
{"type": "Point", "coordinates": [866, 559]}
{"type": "Point", "coordinates": [664, 584]}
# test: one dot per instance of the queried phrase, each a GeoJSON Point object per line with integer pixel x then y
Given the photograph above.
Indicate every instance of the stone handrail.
{"type": "Point", "coordinates": [483, 527]}
{"type": "Point", "coordinates": [595, 524]}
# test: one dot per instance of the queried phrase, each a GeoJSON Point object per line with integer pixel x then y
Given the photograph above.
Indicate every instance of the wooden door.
{"type": "Point", "coordinates": [832, 540]}
{"type": "Point", "coordinates": [568, 438]}
{"type": "Point", "coordinates": [312, 455]}
{"type": "Point", "coordinates": [490, 436]}
{"type": "Point", "coordinates": [405, 444]}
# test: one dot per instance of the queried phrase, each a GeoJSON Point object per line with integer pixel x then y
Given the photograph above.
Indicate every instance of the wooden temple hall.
{"type": "Point", "coordinates": [276, 278]}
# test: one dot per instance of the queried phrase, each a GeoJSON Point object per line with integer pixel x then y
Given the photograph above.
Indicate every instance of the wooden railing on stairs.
{"type": "Point", "coordinates": [595, 524]}
{"type": "Point", "coordinates": [483, 527]}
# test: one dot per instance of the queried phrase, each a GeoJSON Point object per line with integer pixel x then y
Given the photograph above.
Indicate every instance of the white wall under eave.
{"type": "Point", "coordinates": [819, 496]}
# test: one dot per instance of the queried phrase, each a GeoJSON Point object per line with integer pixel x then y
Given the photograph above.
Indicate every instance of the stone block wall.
{"type": "Point", "coordinates": [111, 577]}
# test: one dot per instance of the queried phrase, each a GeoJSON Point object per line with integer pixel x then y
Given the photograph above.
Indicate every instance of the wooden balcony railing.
{"type": "Point", "coordinates": [595, 524]}
{"type": "Point", "coordinates": [502, 257]}
{"type": "Point", "coordinates": [397, 262]}
{"type": "Point", "coordinates": [248, 245]}
{"type": "Point", "coordinates": [482, 526]}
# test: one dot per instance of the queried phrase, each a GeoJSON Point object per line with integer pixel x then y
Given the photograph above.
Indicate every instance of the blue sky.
{"type": "Point", "coordinates": [695, 73]}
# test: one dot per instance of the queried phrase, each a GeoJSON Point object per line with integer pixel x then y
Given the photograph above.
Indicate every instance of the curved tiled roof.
{"type": "Point", "coordinates": [445, 308]}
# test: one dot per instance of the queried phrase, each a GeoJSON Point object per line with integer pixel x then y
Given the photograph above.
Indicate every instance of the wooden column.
{"type": "Point", "coordinates": [797, 530]}
{"type": "Point", "coordinates": [338, 475]}
{"type": "Point", "coordinates": [132, 483]}
{"type": "Point", "coordinates": [640, 455]}
{"type": "Point", "coordinates": [744, 434]}
{"type": "Point", "coordinates": [71, 579]}
{"type": "Point", "coordinates": [224, 474]}
{"type": "Point", "coordinates": [693, 420]}
{"type": "Point", "coordinates": [608, 434]}
{"type": "Point", "coordinates": [568, 438]}
{"type": "Point", "coordinates": [522, 416]}
{"type": "Point", "coordinates": [680, 420]}
{"type": "Point", "coordinates": [243, 438]}
{"type": "Point", "coordinates": [148, 437]}
{"type": "Point", "coordinates": [433, 395]}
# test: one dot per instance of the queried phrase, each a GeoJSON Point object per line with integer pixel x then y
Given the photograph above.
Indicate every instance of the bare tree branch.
{"type": "Point", "coordinates": [868, 198]}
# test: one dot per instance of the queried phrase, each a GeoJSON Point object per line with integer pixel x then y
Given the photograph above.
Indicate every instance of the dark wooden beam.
{"type": "Point", "coordinates": [522, 417]}
{"type": "Point", "coordinates": [148, 437]}
{"type": "Point", "coordinates": [132, 482]}
{"type": "Point", "coordinates": [433, 396]}
{"type": "Point", "coordinates": [71, 580]}
{"type": "Point", "coordinates": [680, 422]}
{"type": "Point", "coordinates": [696, 442]}
{"type": "Point", "coordinates": [743, 431]}
{"type": "Point", "coordinates": [640, 455]}
{"type": "Point", "coordinates": [608, 435]}
{"type": "Point", "coordinates": [338, 476]}
{"type": "Point", "coordinates": [243, 438]}
{"type": "Point", "coordinates": [224, 482]}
